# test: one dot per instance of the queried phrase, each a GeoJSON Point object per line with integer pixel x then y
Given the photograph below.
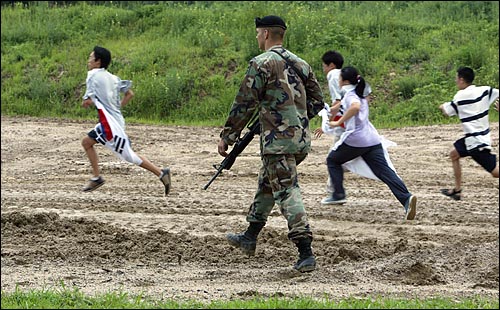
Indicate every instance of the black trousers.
{"type": "Point", "coordinates": [374, 157]}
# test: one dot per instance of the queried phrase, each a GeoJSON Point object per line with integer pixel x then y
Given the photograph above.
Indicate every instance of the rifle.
{"type": "Point", "coordinates": [238, 147]}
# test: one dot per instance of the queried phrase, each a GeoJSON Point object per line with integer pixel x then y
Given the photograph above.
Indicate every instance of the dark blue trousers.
{"type": "Point", "coordinates": [374, 157]}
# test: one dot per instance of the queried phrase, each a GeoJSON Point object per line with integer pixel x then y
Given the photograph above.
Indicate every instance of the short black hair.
{"type": "Point", "coordinates": [333, 57]}
{"type": "Point", "coordinates": [466, 73]}
{"type": "Point", "coordinates": [103, 54]}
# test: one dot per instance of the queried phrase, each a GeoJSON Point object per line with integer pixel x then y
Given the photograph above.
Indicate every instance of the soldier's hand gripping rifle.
{"type": "Point", "coordinates": [239, 146]}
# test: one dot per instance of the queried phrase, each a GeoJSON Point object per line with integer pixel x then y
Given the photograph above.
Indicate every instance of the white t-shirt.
{"type": "Point", "coordinates": [105, 88]}
{"type": "Point", "coordinates": [333, 84]}
{"type": "Point", "coordinates": [359, 130]}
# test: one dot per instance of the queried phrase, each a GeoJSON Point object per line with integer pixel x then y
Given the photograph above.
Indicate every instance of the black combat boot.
{"type": "Point", "coordinates": [247, 241]}
{"type": "Point", "coordinates": [307, 261]}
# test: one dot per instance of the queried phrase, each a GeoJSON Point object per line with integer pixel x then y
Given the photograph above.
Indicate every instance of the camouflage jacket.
{"type": "Point", "coordinates": [273, 90]}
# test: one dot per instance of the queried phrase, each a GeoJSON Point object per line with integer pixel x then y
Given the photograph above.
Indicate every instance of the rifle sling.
{"type": "Point", "coordinates": [299, 73]}
{"type": "Point", "coordinates": [304, 80]}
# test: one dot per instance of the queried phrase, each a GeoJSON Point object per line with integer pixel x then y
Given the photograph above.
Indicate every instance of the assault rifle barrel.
{"type": "Point", "coordinates": [238, 147]}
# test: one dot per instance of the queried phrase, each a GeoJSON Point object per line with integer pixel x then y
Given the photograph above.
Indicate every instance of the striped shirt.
{"type": "Point", "coordinates": [472, 105]}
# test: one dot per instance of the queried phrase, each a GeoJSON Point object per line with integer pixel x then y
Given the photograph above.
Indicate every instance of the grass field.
{"type": "Point", "coordinates": [74, 299]}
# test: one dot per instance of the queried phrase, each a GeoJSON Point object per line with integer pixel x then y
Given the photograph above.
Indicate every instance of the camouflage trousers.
{"type": "Point", "coordinates": [278, 184]}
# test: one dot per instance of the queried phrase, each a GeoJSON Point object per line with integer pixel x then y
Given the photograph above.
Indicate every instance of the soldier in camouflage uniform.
{"type": "Point", "coordinates": [275, 91]}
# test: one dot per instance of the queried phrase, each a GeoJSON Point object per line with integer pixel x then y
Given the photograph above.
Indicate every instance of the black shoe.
{"type": "Point", "coordinates": [452, 193]}
{"type": "Point", "coordinates": [93, 184]}
{"type": "Point", "coordinates": [307, 264]}
{"type": "Point", "coordinates": [165, 179]}
{"type": "Point", "coordinates": [246, 245]}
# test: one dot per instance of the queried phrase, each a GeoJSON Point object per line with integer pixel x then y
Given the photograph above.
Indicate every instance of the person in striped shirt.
{"type": "Point", "coordinates": [471, 104]}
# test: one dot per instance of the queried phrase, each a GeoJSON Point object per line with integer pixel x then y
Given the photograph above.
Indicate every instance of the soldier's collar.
{"type": "Point", "coordinates": [275, 46]}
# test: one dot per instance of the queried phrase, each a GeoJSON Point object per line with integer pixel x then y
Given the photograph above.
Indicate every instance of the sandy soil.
{"type": "Point", "coordinates": [128, 236]}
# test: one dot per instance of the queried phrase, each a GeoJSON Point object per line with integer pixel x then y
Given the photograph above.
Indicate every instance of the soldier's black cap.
{"type": "Point", "coordinates": [270, 21]}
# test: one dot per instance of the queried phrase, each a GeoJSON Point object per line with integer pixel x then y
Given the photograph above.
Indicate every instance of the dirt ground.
{"type": "Point", "coordinates": [126, 236]}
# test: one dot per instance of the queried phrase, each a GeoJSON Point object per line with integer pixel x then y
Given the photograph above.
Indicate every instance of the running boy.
{"type": "Point", "coordinates": [332, 63]}
{"type": "Point", "coordinates": [103, 91]}
{"type": "Point", "coordinates": [471, 104]}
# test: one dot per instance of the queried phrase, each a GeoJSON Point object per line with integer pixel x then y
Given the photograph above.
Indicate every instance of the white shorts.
{"type": "Point", "coordinates": [119, 145]}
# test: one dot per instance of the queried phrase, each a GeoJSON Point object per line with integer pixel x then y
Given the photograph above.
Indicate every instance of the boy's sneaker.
{"type": "Point", "coordinates": [331, 200]}
{"type": "Point", "coordinates": [165, 179]}
{"type": "Point", "coordinates": [307, 264]}
{"type": "Point", "coordinates": [411, 207]}
{"type": "Point", "coordinates": [94, 183]}
{"type": "Point", "coordinates": [246, 244]}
